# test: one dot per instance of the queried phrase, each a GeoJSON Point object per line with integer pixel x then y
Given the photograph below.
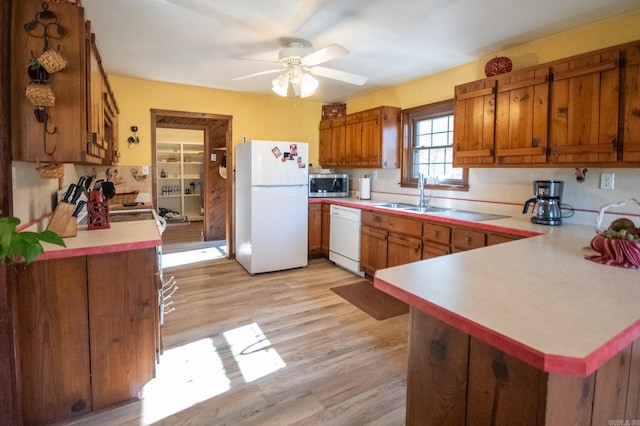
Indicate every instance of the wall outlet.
{"type": "Point", "coordinates": [145, 170]}
{"type": "Point", "coordinates": [606, 180]}
{"type": "Point", "coordinates": [213, 156]}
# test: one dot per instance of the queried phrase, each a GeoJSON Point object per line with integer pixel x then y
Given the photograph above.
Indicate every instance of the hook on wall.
{"type": "Point", "coordinates": [581, 174]}
{"type": "Point", "coordinates": [134, 139]}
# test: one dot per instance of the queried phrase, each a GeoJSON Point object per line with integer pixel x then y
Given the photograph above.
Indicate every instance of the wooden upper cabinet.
{"type": "Point", "coordinates": [324, 154]}
{"type": "Point", "coordinates": [474, 123]}
{"type": "Point", "coordinates": [522, 117]}
{"type": "Point", "coordinates": [75, 129]}
{"type": "Point", "coordinates": [584, 108]}
{"type": "Point", "coordinates": [332, 142]}
{"type": "Point", "coordinates": [631, 104]}
{"type": "Point", "coordinates": [367, 139]}
{"type": "Point", "coordinates": [353, 140]}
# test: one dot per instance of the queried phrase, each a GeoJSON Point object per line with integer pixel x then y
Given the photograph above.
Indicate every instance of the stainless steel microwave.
{"type": "Point", "coordinates": [328, 185]}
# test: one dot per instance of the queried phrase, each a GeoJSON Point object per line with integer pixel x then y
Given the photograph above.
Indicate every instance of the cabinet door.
{"type": "Point", "coordinates": [353, 140]}
{"type": "Point", "coordinates": [474, 124]}
{"type": "Point", "coordinates": [52, 332]}
{"type": "Point", "coordinates": [371, 139]}
{"type": "Point", "coordinates": [584, 109]}
{"type": "Point", "coordinates": [338, 139]}
{"type": "Point", "coordinates": [431, 250]}
{"type": "Point", "coordinates": [68, 114]}
{"type": "Point", "coordinates": [402, 249]}
{"type": "Point", "coordinates": [631, 136]}
{"type": "Point", "coordinates": [522, 117]}
{"type": "Point", "coordinates": [373, 248]}
{"type": "Point", "coordinates": [314, 240]}
{"type": "Point", "coordinates": [324, 153]}
{"type": "Point", "coordinates": [326, 228]}
{"type": "Point", "coordinates": [123, 317]}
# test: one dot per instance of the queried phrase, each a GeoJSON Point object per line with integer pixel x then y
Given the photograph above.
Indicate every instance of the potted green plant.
{"type": "Point", "coordinates": [22, 246]}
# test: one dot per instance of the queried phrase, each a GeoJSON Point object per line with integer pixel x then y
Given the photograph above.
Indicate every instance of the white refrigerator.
{"type": "Point", "coordinates": [271, 205]}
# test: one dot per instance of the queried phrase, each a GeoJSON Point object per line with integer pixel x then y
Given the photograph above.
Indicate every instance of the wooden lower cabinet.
{"type": "Point", "coordinates": [402, 249]}
{"type": "Point", "coordinates": [456, 379]}
{"type": "Point", "coordinates": [373, 249]}
{"type": "Point", "coordinates": [326, 229]}
{"type": "Point", "coordinates": [314, 240]}
{"type": "Point", "coordinates": [388, 240]}
{"type": "Point", "coordinates": [86, 329]}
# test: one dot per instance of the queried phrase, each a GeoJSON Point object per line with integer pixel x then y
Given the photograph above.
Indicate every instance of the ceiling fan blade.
{"type": "Point", "coordinates": [347, 77]}
{"type": "Point", "coordinates": [325, 54]}
{"type": "Point", "coordinates": [256, 74]}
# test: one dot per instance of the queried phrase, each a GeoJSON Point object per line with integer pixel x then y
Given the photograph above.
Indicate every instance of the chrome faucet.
{"type": "Point", "coordinates": [423, 202]}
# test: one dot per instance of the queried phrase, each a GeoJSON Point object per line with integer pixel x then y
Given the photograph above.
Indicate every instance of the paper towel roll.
{"type": "Point", "coordinates": [365, 188]}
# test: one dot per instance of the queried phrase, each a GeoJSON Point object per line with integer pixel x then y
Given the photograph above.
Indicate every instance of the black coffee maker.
{"type": "Point", "coordinates": [546, 204]}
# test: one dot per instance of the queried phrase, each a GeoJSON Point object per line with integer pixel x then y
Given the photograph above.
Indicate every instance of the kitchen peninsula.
{"type": "Point", "coordinates": [87, 321]}
{"type": "Point", "coordinates": [528, 332]}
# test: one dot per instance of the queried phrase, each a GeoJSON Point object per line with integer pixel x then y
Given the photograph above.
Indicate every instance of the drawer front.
{"type": "Point", "coordinates": [493, 239]}
{"type": "Point", "coordinates": [430, 250]}
{"type": "Point", "coordinates": [393, 222]}
{"type": "Point", "coordinates": [437, 233]}
{"type": "Point", "coordinates": [467, 239]}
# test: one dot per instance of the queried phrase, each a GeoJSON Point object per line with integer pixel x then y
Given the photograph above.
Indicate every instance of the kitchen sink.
{"type": "Point", "coordinates": [425, 209]}
{"type": "Point", "coordinates": [394, 205]}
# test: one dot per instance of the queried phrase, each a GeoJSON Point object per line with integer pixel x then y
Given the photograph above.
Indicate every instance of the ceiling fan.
{"type": "Point", "coordinates": [298, 64]}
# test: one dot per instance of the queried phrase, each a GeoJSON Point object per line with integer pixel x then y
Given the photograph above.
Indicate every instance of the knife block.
{"type": "Point", "coordinates": [62, 221]}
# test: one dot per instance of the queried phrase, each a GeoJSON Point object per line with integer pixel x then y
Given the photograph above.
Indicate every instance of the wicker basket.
{"type": "Point", "coordinates": [50, 169]}
{"type": "Point", "coordinates": [52, 61]}
{"type": "Point", "coordinates": [124, 198]}
{"type": "Point", "coordinates": [40, 95]}
{"type": "Point", "coordinates": [614, 251]}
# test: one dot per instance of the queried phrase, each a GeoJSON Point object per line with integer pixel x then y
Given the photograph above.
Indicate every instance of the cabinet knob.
{"type": "Point", "coordinates": [436, 233]}
{"type": "Point", "coordinates": [78, 406]}
{"type": "Point", "coordinates": [467, 239]}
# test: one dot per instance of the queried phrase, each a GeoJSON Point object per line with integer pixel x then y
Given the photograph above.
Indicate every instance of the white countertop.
{"type": "Point", "coordinates": [121, 236]}
{"type": "Point", "coordinates": [537, 298]}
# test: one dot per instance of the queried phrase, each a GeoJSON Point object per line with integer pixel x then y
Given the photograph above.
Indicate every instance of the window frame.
{"type": "Point", "coordinates": [408, 118]}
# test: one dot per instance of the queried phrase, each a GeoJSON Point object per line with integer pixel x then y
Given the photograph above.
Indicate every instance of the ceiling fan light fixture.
{"type": "Point", "coordinates": [281, 84]}
{"type": "Point", "coordinates": [308, 85]}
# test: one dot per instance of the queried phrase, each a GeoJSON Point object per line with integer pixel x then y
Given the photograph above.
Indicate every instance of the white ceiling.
{"type": "Point", "coordinates": [208, 42]}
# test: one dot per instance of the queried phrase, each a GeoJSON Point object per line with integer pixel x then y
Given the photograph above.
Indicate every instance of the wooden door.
{"type": "Point", "coordinates": [338, 140]}
{"type": "Point", "coordinates": [326, 228]}
{"type": "Point", "coordinates": [353, 140]}
{"type": "Point", "coordinates": [584, 109]}
{"type": "Point", "coordinates": [631, 105]}
{"type": "Point", "coordinates": [402, 249]}
{"type": "Point", "coordinates": [123, 317]}
{"type": "Point", "coordinates": [371, 138]}
{"type": "Point", "coordinates": [52, 332]}
{"type": "Point", "coordinates": [373, 248]}
{"type": "Point", "coordinates": [324, 153]}
{"type": "Point", "coordinates": [314, 239]}
{"type": "Point", "coordinates": [474, 124]}
{"type": "Point", "coordinates": [522, 117]}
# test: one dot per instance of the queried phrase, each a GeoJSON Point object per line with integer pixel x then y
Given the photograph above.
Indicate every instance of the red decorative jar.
{"type": "Point", "coordinates": [498, 65]}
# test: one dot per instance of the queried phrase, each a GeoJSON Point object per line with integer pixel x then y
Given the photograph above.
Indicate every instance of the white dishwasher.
{"type": "Point", "coordinates": [344, 238]}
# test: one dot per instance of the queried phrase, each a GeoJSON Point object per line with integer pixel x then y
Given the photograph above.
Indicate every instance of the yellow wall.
{"type": "Point", "coordinates": [272, 117]}
{"type": "Point", "coordinates": [254, 116]}
{"type": "Point", "coordinates": [438, 87]}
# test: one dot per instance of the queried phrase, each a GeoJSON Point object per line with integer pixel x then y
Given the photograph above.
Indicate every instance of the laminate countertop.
{"type": "Point", "coordinates": [121, 236]}
{"type": "Point", "coordinates": [538, 298]}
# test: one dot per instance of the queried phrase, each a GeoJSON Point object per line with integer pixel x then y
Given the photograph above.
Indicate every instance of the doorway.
{"type": "Point", "coordinates": [217, 189]}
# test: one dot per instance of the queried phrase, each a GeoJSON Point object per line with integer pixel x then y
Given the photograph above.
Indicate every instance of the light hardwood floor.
{"type": "Point", "coordinates": [322, 360]}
